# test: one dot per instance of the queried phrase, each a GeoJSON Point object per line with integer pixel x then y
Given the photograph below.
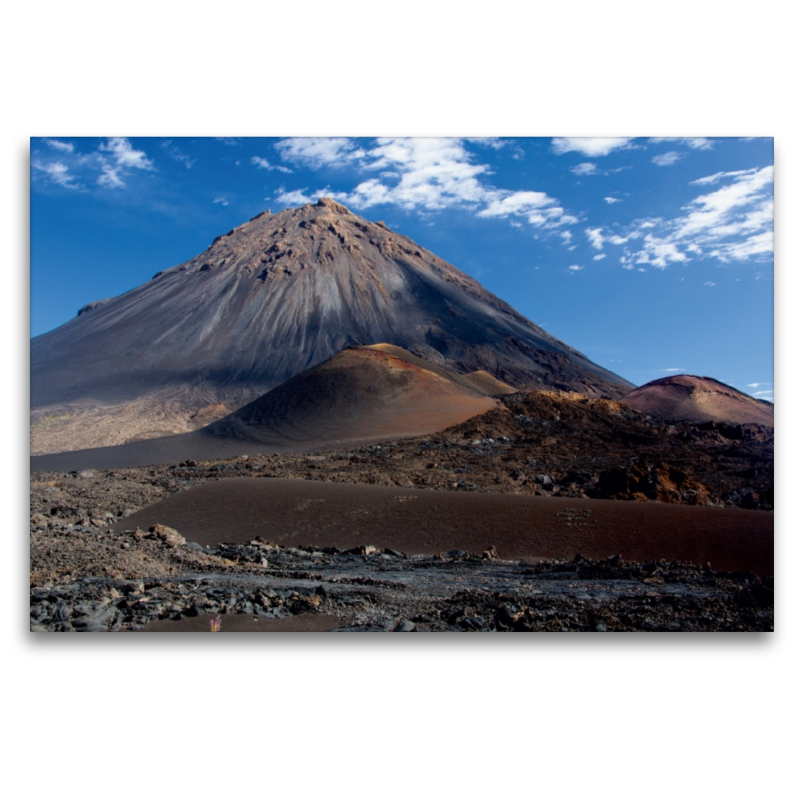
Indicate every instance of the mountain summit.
{"type": "Point", "coordinates": [265, 302]}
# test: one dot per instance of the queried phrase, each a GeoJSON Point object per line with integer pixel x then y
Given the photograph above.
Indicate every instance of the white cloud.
{"type": "Point", "coordinates": [262, 163]}
{"type": "Point", "coordinates": [599, 257]}
{"type": "Point", "coordinates": [586, 168]}
{"type": "Point", "coordinates": [659, 253]}
{"type": "Point", "coordinates": [575, 268]}
{"type": "Point", "coordinates": [319, 152]}
{"type": "Point", "coordinates": [489, 141]}
{"type": "Point", "coordinates": [566, 236]}
{"type": "Point", "coordinates": [673, 369]}
{"type": "Point", "coordinates": [297, 197]}
{"type": "Point", "coordinates": [110, 177]}
{"type": "Point", "coordinates": [611, 200]}
{"type": "Point", "coordinates": [596, 238]}
{"type": "Point", "coordinates": [589, 146]}
{"type": "Point", "coordinates": [745, 204]}
{"type": "Point", "coordinates": [666, 159]}
{"type": "Point", "coordinates": [709, 179]}
{"type": "Point", "coordinates": [64, 147]}
{"type": "Point", "coordinates": [709, 283]}
{"type": "Point", "coordinates": [695, 142]}
{"type": "Point", "coordinates": [221, 200]}
{"type": "Point", "coordinates": [56, 172]}
{"type": "Point", "coordinates": [733, 223]}
{"type": "Point", "coordinates": [107, 165]}
{"type": "Point", "coordinates": [426, 174]}
{"type": "Point", "coordinates": [175, 153]}
{"type": "Point", "coordinates": [125, 156]}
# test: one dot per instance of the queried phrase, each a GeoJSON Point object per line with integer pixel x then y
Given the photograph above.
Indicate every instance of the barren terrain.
{"type": "Point", "coordinates": [532, 479]}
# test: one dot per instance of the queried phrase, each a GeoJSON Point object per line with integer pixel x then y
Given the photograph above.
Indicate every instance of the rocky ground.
{"type": "Point", "coordinates": [371, 590]}
{"type": "Point", "coordinates": [83, 577]}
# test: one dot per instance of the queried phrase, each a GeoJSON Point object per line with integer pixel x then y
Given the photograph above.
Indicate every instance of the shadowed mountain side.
{"type": "Point", "coordinates": [197, 445]}
{"type": "Point", "coordinates": [699, 399]}
{"type": "Point", "coordinates": [298, 512]}
{"type": "Point", "coordinates": [360, 393]}
{"type": "Point", "coordinates": [265, 302]}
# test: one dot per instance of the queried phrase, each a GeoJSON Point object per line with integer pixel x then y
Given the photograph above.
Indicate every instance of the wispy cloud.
{"type": "Point", "coordinates": [589, 146]}
{"type": "Point", "coordinates": [587, 168]}
{"type": "Point", "coordinates": [575, 268]}
{"type": "Point", "coordinates": [56, 172]}
{"type": "Point", "coordinates": [733, 223]}
{"type": "Point", "coordinates": [262, 163]}
{"type": "Point", "coordinates": [599, 257]}
{"type": "Point", "coordinates": [611, 200]}
{"type": "Point", "coordinates": [124, 158]}
{"type": "Point", "coordinates": [667, 159]}
{"type": "Point", "coordinates": [717, 176]}
{"type": "Point", "coordinates": [673, 369]}
{"type": "Point", "coordinates": [597, 238]}
{"type": "Point", "coordinates": [221, 201]}
{"type": "Point", "coordinates": [107, 165]}
{"type": "Point", "coordinates": [175, 153]}
{"type": "Point", "coordinates": [298, 197]}
{"type": "Point", "coordinates": [64, 147]}
{"type": "Point", "coordinates": [110, 177]}
{"type": "Point", "coordinates": [427, 174]}
{"type": "Point", "coordinates": [320, 152]}
{"type": "Point", "coordinates": [495, 142]}
{"type": "Point", "coordinates": [695, 142]}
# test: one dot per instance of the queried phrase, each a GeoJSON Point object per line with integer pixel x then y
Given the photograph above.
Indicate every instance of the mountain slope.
{"type": "Point", "coordinates": [362, 392]}
{"type": "Point", "coordinates": [264, 302]}
{"type": "Point", "coordinates": [699, 399]}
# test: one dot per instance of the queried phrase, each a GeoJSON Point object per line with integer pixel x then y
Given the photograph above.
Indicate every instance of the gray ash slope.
{"type": "Point", "coordinates": [267, 301]}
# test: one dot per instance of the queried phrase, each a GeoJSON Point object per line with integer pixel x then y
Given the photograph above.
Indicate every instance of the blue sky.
{"type": "Point", "coordinates": [651, 256]}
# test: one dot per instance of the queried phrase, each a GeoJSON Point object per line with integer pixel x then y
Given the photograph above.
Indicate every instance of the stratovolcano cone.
{"type": "Point", "coordinates": [265, 302]}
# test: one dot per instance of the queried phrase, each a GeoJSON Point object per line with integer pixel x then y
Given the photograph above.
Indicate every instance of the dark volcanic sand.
{"type": "Point", "coordinates": [246, 623]}
{"type": "Point", "coordinates": [299, 512]}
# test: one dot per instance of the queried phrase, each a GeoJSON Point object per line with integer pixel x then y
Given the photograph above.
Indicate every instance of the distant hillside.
{"type": "Point", "coordinates": [698, 399]}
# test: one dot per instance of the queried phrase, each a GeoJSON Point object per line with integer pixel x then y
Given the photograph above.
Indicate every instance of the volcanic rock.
{"type": "Point", "coordinates": [700, 400]}
{"type": "Point", "coordinates": [265, 302]}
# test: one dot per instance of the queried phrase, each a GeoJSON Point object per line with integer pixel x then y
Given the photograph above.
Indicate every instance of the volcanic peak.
{"type": "Point", "coordinates": [266, 301]}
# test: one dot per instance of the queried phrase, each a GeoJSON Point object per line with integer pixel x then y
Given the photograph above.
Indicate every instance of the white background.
{"type": "Point", "coordinates": [381, 716]}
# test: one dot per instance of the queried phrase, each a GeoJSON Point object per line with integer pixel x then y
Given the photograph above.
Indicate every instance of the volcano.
{"type": "Point", "coordinates": [265, 302]}
{"type": "Point", "coordinates": [368, 392]}
{"type": "Point", "coordinates": [699, 399]}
